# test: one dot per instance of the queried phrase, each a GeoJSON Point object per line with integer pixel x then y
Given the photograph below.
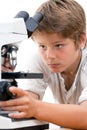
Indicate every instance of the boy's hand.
{"type": "Point", "coordinates": [7, 67]}
{"type": "Point", "coordinates": [24, 104]}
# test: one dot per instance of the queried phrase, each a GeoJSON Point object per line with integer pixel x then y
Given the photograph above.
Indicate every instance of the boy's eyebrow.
{"type": "Point", "coordinates": [62, 41]}
{"type": "Point", "coordinates": [58, 41]}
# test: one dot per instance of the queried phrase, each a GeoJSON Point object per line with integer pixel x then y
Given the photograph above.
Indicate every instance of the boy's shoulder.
{"type": "Point", "coordinates": [84, 59]}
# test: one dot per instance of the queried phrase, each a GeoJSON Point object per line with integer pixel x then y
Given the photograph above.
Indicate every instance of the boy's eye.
{"type": "Point", "coordinates": [59, 45]}
{"type": "Point", "coordinates": [42, 46]}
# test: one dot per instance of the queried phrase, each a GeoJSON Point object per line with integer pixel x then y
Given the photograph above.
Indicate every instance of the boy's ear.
{"type": "Point", "coordinates": [83, 41]}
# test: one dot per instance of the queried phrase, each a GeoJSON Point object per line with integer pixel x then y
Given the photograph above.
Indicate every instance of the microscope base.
{"type": "Point", "coordinates": [7, 123]}
{"type": "Point", "coordinates": [41, 127]}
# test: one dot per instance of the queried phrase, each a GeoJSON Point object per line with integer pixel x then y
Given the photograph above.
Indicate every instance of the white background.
{"type": "Point", "coordinates": [9, 8]}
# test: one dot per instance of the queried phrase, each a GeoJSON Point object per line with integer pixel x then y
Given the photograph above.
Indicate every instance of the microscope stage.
{"type": "Point", "coordinates": [7, 123]}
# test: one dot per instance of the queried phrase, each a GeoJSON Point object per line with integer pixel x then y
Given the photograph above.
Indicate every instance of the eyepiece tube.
{"type": "Point", "coordinates": [33, 22]}
{"type": "Point", "coordinates": [22, 14]}
{"type": "Point", "coordinates": [38, 17]}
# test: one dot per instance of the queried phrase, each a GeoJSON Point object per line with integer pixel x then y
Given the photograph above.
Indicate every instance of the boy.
{"type": "Point", "coordinates": [62, 58]}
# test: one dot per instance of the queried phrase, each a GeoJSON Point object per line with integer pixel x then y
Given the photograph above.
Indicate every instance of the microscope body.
{"type": "Point", "coordinates": [12, 33]}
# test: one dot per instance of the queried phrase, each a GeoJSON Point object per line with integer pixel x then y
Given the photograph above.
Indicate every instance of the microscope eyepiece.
{"type": "Point", "coordinates": [38, 17]}
{"type": "Point", "coordinates": [22, 14]}
{"type": "Point", "coordinates": [33, 22]}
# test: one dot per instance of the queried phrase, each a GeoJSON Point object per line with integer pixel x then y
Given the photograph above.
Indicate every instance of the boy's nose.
{"type": "Point", "coordinates": [50, 53]}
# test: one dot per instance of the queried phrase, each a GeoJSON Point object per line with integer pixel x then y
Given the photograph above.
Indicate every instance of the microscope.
{"type": "Point", "coordinates": [12, 33]}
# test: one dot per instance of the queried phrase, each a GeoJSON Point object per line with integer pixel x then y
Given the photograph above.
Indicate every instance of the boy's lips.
{"type": "Point", "coordinates": [53, 65]}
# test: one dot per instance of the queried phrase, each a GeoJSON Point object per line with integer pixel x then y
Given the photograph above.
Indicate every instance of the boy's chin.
{"type": "Point", "coordinates": [55, 70]}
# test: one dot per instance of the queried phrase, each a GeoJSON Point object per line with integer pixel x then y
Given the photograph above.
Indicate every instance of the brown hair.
{"type": "Point", "coordinates": [66, 17]}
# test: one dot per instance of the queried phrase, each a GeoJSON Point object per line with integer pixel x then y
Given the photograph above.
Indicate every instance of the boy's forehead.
{"type": "Point", "coordinates": [48, 34]}
{"type": "Point", "coordinates": [49, 38]}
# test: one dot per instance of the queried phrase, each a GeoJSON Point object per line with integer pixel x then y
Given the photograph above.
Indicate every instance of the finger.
{"type": "Point", "coordinates": [18, 115]}
{"type": "Point", "coordinates": [13, 68]}
{"type": "Point", "coordinates": [20, 108]}
{"type": "Point", "coordinates": [7, 63]}
{"type": "Point", "coordinates": [20, 100]}
{"type": "Point", "coordinates": [9, 103]}
{"type": "Point", "coordinates": [4, 69]}
{"type": "Point", "coordinates": [14, 102]}
{"type": "Point", "coordinates": [18, 91]}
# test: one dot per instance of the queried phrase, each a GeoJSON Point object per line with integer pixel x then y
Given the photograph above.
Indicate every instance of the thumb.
{"type": "Point", "coordinates": [17, 91]}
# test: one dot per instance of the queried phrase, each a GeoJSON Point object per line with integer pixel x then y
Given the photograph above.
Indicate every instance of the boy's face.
{"type": "Point", "coordinates": [60, 54]}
